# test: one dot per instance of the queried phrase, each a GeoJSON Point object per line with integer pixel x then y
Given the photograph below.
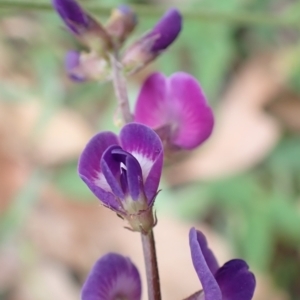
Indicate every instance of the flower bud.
{"type": "Point", "coordinates": [86, 66]}
{"type": "Point", "coordinates": [121, 23]}
{"type": "Point", "coordinates": [85, 28]}
{"type": "Point", "coordinates": [72, 66]}
{"type": "Point", "coordinates": [150, 45]}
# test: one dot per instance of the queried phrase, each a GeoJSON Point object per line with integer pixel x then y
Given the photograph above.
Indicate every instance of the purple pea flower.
{"type": "Point", "coordinates": [176, 108]}
{"type": "Point", "coordinates": [151, 44]}
{"type": "Point", "coordinates": [124, 172]}
{"type": "Point", "coordinates": [232, 281]}
{"type": "Point", "coordinates": [113, 277]}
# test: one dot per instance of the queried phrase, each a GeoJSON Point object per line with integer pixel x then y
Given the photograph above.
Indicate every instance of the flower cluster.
{"type": "Point", "coordinates": [123, 171]}
{"type": "Point", "coordinates": [101, 40]}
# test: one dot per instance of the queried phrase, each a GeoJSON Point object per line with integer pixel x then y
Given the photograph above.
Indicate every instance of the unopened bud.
{"type": "Point", "coordinates": [73, 15]}
{"type": "Point", "coordinates": [85, 28]}
{"type": "Point", "coordinates": [150, 45]}
{"type": "Point", "coordinates": [72, 66]}
{"type": "Point", "coordinates": [121, 23]}
{"type": "Point", "coordinates": [86, 66]}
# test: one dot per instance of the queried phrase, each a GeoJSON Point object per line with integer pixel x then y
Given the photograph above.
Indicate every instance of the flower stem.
{"type": "Point", "coordinates": [120, 87]}
{"type": "Point", "coordinates": [151, 266]}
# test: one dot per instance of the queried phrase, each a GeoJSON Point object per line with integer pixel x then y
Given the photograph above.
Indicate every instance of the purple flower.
{"type": "Point", "coordinates": [151, 44]}
{"type": "Point", "coordinates": [76, 19]}
{"type": "Point", "coordinates": [112, 277]}
{"type": "Point", "coordinates": [232, 281]}
{"type": "Point", "coordinates": [124, 172]}
{"type": "Point", "coordinates": [176, 107]}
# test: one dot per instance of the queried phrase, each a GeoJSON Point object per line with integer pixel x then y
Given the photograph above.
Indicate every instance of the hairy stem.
{"type": "Point", "coordinates": [120, 88]}
{"type": "Point", "coordinates": [151, 266]}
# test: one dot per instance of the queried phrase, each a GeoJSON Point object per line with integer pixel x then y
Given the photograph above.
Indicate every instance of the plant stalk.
{"type": "Point", "coordinates": [119, 83]}
{"type": "Point", "coordinates": [151, 266]}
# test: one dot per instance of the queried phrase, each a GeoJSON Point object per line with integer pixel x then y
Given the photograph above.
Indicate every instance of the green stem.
{"type": "Point", "coordinates": [237, 17]}
{"type": "Point", "coordinates": [151, 266]}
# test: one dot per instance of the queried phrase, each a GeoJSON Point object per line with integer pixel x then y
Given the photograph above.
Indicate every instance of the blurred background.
{"type": "Point", "coordinates": [242, 188]}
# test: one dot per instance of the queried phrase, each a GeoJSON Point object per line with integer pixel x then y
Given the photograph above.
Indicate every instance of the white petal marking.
{"type": "Point", "coordinates": [101, 182]}
{"type": "Point", "coordinates": [145, 163]}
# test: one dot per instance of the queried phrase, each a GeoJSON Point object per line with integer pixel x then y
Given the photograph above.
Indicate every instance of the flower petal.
{"type": "Point", "coordinates": [72, 14]}
{"type": "Point", "coordinates": [209, 283]}
{"type": "Point", "coordinates": [207, 253]}
{"type": "Point", "coordinates": [112, 171]}
{"type": "Point", "coordinates": [177, 101]}
{"type": "Point", "coordinates": [195, 118]}
{"type": "Point", "coordinates": [145, 145]}
{"type": "Point", "coordinates": [153, 95]}
{"type": "Point", "coordinates": [133, 172]}
{"type": "Point", "coordinates": [89, 167]}
{"type": "Point", "coordinates": [112, 277]}
{"type": "Point", "coordinates": [236, 281]}
{"type": "Point", "coordinates": [167, 29]}
{"type": "Point", "coordinates": [72, 62]}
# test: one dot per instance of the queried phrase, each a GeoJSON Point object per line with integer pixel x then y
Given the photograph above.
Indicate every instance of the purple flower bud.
{"type": "Point", "coordinates": [86, 66]}
{"type": "Point", "coordinates": [124, 172]}
{"type": "Point", "coordinates": [76, 19]}
{"type": "Point", "coordinates": [165, 31]}
{"type": "Point", "coordinates": [112, 277]}
{"type": "Point", "coordinates": [72, 66]}
{"type": "Point", "coordinates": [87, 30]}
{"type": "Point", "coordinates": [121, 23]}
{"type": "Point", "coordinates": [232, 281]}
{"type": "Point", "coordinates": [176, 108]}
{"type": "Point", "coordinates": [150, 45]}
